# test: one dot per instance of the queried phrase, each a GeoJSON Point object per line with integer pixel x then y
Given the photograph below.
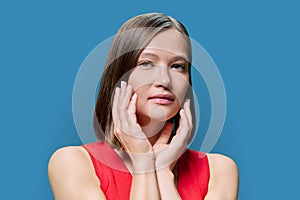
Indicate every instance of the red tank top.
{"type": "Point", "coordinates": [115, 179]}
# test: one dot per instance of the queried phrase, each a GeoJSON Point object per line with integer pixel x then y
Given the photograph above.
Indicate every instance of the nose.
{"type": "Point", "coordinates": [163, 78]}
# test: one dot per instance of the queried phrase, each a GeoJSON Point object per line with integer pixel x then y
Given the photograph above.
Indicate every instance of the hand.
{"type": "Point", "coordinates": [129, 132]}
{"type": "Point", "coordinates": [126, 128]}
{"type": "Point", "coordinates": [167, 154]}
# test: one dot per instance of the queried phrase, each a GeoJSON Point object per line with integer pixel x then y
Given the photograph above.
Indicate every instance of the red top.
{"type": "Point", "coordinates": [115, 179]}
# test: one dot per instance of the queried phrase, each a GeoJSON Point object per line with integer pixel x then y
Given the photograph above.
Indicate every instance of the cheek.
{"type": "Point", "coordinates": [141, 96]}
{"type": "Point", "coordinates": [181, 94]}
{"type": "Point", "coordinates": [180, 87]}
{"type": "Point", "coordinates": [139, 79]}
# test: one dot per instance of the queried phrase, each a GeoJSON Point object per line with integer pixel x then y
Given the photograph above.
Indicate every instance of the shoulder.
{"type": "Point", "coordinates": [71, 174]}
{"type": "Point", "coordinates": [221, 163]}
{"type": "Point", "coordinates": [71, 156]}
{"type": "Point", "coordinates": [223, 182]}
{"type": "Point", "coordinates": [67, 152]}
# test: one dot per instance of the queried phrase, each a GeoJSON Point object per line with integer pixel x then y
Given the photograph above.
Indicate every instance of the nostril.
{"type": "Point", "coordinates": [167, 87]}
{"type": "Point", "coordinates": [164, 85]}
{"type": "Point", "coordinates": [162, 77]}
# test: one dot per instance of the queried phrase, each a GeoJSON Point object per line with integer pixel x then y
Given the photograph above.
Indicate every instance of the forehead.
{"type": "Point", "coordinates": [171, 41]}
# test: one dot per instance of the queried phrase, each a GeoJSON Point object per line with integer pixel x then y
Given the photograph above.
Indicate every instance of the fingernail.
{"type": "Point", "coordinates": [134, 96]}
{"type": "Point", "coordinates": [122, 84]}
{"type": "Point", "coordinates": [128, 88]}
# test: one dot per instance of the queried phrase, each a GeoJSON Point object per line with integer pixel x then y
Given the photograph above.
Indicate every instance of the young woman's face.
{"type": "Point", "coordinates": [161, 77]}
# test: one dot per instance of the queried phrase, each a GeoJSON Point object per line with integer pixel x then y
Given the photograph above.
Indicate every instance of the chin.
{"type": "Point", "coordinates": [160, 113]}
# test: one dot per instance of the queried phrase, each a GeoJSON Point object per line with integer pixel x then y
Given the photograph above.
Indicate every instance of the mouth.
{"type": "Point", "coordinates": [163, 99]}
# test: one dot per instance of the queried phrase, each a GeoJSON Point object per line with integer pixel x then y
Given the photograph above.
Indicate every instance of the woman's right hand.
{"type": "Point", "coordinates": [130, 133]}
{"type": "Point", "coordinates": [126, 128]}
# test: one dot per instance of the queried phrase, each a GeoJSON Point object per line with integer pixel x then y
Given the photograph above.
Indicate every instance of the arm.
{"type": "Point", "coordinates": [72, 176]}
{"type": "Point", "coordinates": [168, 154]}
{"type": "Point", "coordinates": [223, 184]}
{"type": "Point", "coordinates": [144, 186]}
{"type": "Point", "coordinates": [144, 182]}
{"type": "Point", "coordinates": [167, 187]}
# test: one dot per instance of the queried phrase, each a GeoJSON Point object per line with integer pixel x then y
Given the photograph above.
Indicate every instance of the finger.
{"type": "Point", "coordinates": [182, 132]}
{"type": "Point", "coordinates": [132, 108]}
{"type": "Point", "coordinates": [115, 114]}
{"type": "Point", "coordinates": [122, 93]}
{"type": "Point", "coordinates": [123, 106]}
{"type": "Point", "coordinates": [165, 134]}
{"type": "Point", "coordinates": [126, 95]}
{"type": "Point", "coordinates": [187, 109]}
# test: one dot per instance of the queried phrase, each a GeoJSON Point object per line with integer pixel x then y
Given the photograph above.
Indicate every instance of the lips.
{"type": "Point", "coordinates": [162, 99]}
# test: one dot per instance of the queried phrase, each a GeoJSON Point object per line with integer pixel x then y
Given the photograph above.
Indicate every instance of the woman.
{"type": "Point", "coordinates": [144, 120]}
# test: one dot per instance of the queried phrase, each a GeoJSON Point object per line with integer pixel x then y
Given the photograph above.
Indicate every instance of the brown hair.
{"type": "Point", "coordinates": [132, 37]}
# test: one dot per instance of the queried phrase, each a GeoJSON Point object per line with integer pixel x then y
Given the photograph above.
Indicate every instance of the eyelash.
{"type": "Point", "coordinates": [177, 66]}
{"type": "Point", "coordinates": [180, 67]}
{"type": "Point", "coordinates": [143, 63]}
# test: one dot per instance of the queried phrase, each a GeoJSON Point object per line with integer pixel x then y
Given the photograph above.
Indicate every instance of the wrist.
{"type": "Point", "coordinates": [165, 173]}
{"type": "Point", "coordinates": [142, 162]}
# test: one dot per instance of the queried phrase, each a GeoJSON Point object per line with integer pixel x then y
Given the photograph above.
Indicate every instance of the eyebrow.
{"type": "Point", "coordinates": [177, 57]}
{"type": "Point", "coordinates": [149, 54]}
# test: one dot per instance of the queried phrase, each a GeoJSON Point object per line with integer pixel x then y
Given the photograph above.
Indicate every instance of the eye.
{"type": "Point", "coordinates": [146, 64]}
{"type": "Point", "coordinates": [180, 67]}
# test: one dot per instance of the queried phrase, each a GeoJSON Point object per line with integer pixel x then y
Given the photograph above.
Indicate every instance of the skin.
{"type": "Point", "coordinates": [139, 115]}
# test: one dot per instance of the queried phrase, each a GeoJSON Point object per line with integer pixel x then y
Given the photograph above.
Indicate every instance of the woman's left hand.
{"type": "Point", "coordinates": [167, 154]}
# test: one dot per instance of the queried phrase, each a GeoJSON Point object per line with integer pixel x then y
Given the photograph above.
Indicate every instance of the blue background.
{"type": "Point", "coordinates": [255, 45]}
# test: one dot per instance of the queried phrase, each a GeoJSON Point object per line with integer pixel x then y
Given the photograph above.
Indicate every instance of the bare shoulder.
{"type": "Point", "coordinates": [72, 175]}
{"type": "Point", "coordinates": [222, 163]}
{"type": "Point", "coordinates": [224, 177]}
{"type": "Point", "coordinates": [67, 156]}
